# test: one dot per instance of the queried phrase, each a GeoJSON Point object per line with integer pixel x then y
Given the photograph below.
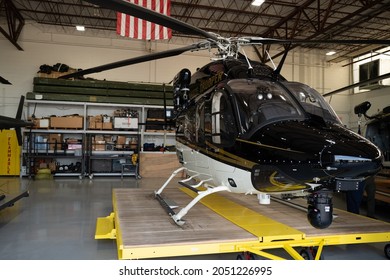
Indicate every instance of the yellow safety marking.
{"type": "Point", "coordinates": [266, 229]}
{"type": "Point", "coordinates": [105, 228]}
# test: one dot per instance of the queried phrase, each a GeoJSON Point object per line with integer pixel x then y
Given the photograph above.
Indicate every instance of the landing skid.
{"type": "Point", "coordinates": [167, 205]}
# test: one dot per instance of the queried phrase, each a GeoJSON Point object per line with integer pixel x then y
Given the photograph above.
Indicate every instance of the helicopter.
{"type": "Point", "coordinates": [241, 127]}
{"type": "Point", "coordinates": [377, 129]}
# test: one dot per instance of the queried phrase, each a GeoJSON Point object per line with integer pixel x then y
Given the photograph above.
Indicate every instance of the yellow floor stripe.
{"type": "Point", "coordinates": [266, 229]}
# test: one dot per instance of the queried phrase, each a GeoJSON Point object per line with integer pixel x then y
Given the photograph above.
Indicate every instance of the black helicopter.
{"type": "Point", "coordinates": [241, 127]}
{"type": "Point", "coordinates": [377, 128]}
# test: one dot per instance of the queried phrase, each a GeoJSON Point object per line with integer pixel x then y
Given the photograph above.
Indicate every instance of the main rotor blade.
{"type": "Point", "coordinates": [134, 60]}
{"type": "Point", "coordinates": [270, 41]}
{"type": "Point", "coordinates": [363, 83]}
{"type": "Point", "coordinates": [152, 16]}
{"type": "Point", "coordinates": [4, 81]}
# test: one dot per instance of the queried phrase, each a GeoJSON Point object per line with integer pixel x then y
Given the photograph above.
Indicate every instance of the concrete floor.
{"type": "Point", "coordinates": [58, 220]}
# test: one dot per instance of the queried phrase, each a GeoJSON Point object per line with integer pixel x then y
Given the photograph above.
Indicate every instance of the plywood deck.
{"type": "Point", "coordinates": [145, 230]}
{"type": "Point", "coordinates": [143, 222]}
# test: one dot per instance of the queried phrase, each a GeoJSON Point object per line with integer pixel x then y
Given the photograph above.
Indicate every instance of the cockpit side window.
{"type": "Point", "coordinates": [224, 129]}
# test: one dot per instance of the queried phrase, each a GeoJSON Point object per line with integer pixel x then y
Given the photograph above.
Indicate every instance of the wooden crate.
{"type": "Point", "coordinates": [156, 164]}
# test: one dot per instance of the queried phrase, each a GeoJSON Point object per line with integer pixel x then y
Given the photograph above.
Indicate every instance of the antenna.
{"type": "Point", "coordinates": [270, 59]}
{"type": "Point", "coordinates": [250, 68]}
{"type": "Point", "coordinates": [280, 65]}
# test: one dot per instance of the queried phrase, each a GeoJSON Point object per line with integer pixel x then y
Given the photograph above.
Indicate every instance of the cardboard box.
{"type": "Point", "coordinates": [99, 146]}
{"type": "Point", "coordinates": [98, 118]}
{"type": "Point", "coordinates": [121, 140]}
{"type": "Point", "coordinates": [73, 140]}
{"type": "Point", "coordinates": [75, 122]}
{"type": "Point", "coordinates": [107, 125]}
{"type": "Point", "coordinates": [160, 165]}
{"type": "Point", "coordinates": [41, 123]}
{"type": "Point", "coordinates": [125, 123]}
{"type": "Point", "coordinates": [55, 141]}
{"type": "Point", "coordinates": [91, 122]}
{"type": "Point", "coordinates": [98, 125]}
{"type": "Point", "coordinates": [99, 138]}
{"type": "Point", "coordinates": [91, 125]}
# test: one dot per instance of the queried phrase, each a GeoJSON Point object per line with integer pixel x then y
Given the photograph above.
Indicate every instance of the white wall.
{"type": "Point", "coordinates": [44, 44]}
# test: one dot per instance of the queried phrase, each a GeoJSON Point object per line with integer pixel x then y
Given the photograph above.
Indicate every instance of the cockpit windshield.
{"type": "Point", "coordinates": [312, 101]}
{"type": "Point", "coordinates": [261, 102]}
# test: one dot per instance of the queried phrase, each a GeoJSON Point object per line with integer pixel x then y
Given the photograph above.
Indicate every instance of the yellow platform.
{"type": "Point", "coordinates": [105, 227]}
{"type": "Point", "coordinates": [223, 223]}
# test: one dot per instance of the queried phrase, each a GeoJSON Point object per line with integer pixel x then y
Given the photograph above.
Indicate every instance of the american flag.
{"type": "Point", "coordinates": [129, 26]}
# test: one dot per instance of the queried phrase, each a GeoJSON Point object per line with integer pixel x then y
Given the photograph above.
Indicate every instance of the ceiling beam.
{"type": "Point", "coordinates": [15, 23]}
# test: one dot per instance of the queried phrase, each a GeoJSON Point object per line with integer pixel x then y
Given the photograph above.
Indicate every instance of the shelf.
{"type": "Point", "coordinates": [55, 155]}
{"type": "Point", "coordinates": [157, 152]}
{"type": "Point", "coordinates": [51, 152]}
{"type": "Point", "coordinates": [56, 131]}
{"type": "Point", "coordinates": [117, 153]}
{"type": "Point", "coordinates": [116, 174]}
{"type": "Point", "coordinates": [114, 132]}
{"type": "Point", "coordinates": [159, 133]}
{"type": "Point", "coordinates": [92, 160]}
{"type": "Point", "coordinates": [65, 174]}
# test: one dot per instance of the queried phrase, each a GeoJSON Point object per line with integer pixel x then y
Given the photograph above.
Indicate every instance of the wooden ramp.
{"type": "Point", "coordinates": [226, 223]}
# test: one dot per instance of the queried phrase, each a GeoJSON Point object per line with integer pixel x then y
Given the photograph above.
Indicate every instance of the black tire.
{"type": "Point", "coordinates": [306, 254]}
{"type": "Point", "coordinates": [387, 251]}
{"type": "Point", "coordinates": [310, 253]}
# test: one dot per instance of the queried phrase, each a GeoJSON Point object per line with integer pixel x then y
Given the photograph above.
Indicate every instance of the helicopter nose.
{"type": "Point", "coordinates": [304, 152]}
{"type": "Point", "coordinates": [347, 158]}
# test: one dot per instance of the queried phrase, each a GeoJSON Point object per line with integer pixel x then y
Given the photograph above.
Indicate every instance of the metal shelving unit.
{"type": "Point", "coordinates": [116, 161]}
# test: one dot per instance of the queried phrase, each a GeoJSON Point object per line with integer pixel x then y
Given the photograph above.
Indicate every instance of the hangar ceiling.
{"type": "Point", "coordinates": [294, 19]}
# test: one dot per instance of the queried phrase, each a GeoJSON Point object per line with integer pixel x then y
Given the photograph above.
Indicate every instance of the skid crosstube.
{"type": "Point", "coordinates": [200, 194]}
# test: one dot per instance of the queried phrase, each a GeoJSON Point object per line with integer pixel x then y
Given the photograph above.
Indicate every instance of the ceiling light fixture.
{"type": "Point", "coordinates": [80, 28]}
{"type": "Point", "coordinates": [330, 53]}
{"type": "Point", "coordinates": [258, 3]}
